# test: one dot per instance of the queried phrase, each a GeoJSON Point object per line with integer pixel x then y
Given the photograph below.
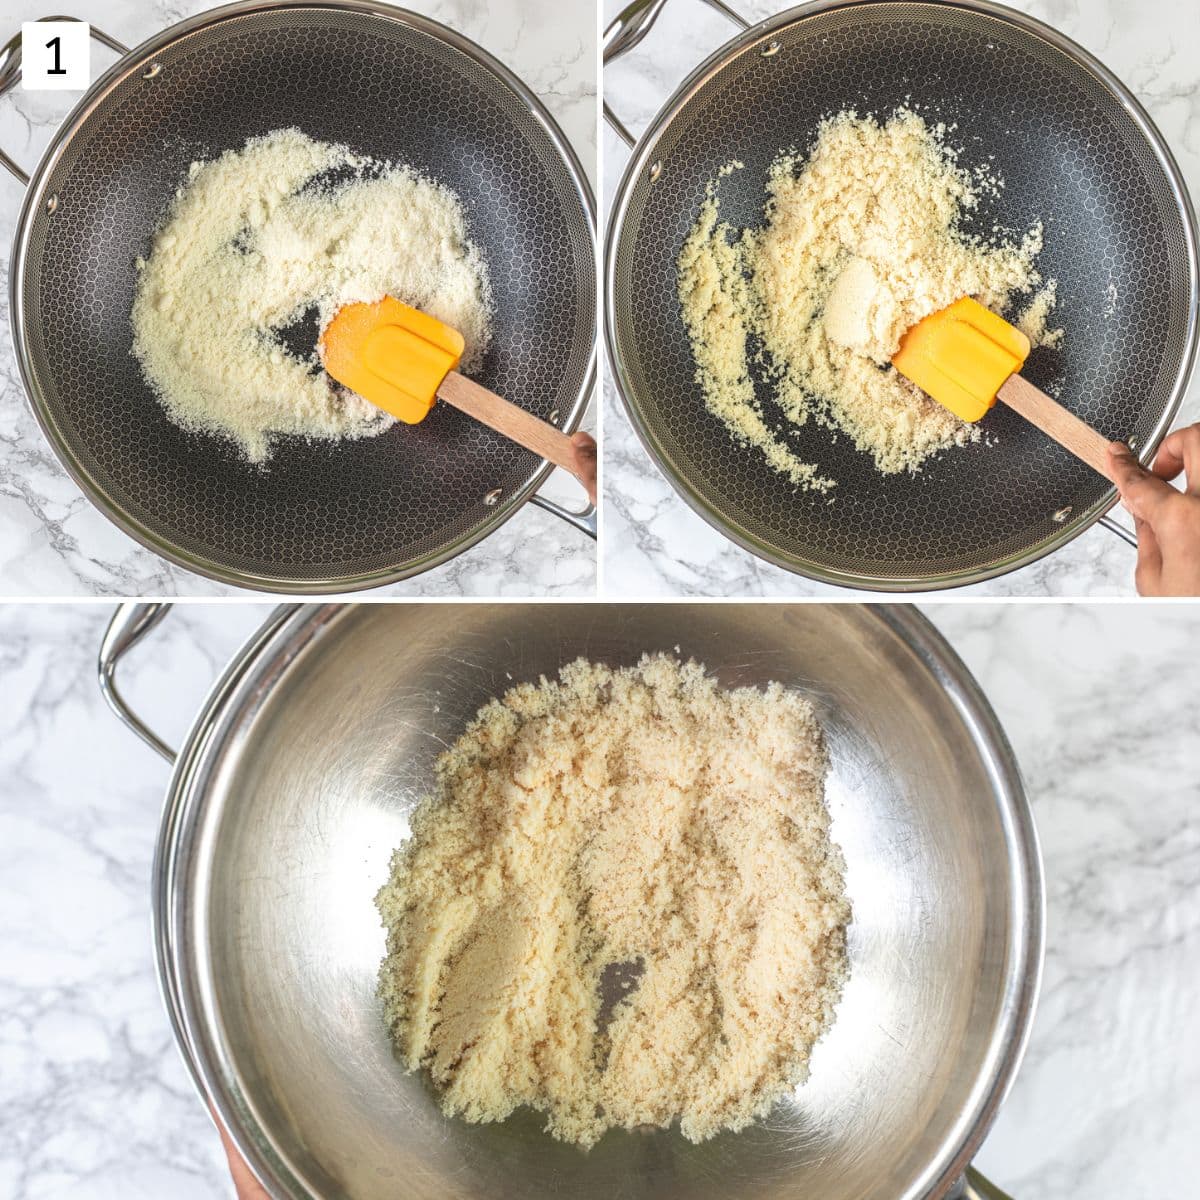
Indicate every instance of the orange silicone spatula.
{"type": "Point", "coordinates": [966, 358]}
{"type": "Point", "coordinates": [402, 360]}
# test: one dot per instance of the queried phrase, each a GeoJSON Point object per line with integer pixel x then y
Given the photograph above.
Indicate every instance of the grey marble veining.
{"type": "Point", "coordinates": [1100, 703]}
{"type": "Point", "coordinates": [54, 543]}
{"type": "Point", "coordinates": [655, 545]}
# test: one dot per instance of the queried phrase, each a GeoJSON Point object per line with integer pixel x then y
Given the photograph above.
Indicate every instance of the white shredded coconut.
{"type": "Point", "coordinates": [258, 239]}
{"type": "Point", "coordinates": [640, 829]}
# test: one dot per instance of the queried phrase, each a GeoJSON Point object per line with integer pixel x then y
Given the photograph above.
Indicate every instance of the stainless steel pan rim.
{"type": "Point", "coordinates": [137, 60]}
{"type": "Point", "coordinates": [638, 164]}
{"type": "Point", "coordinates": [243, 689]}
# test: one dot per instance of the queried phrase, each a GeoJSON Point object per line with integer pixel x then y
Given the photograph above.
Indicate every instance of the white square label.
{"type": "Point", "coordinates": [55, 55]}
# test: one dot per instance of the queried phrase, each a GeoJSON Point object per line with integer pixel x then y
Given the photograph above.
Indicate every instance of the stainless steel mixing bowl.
{"type": "Point", "coordinates": [296, 783]}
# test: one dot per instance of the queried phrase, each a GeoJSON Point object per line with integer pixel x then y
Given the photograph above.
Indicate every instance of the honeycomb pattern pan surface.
{"type": "Point", "coordinates": [1075, 151]}
{"type": "Point", "coordinates": [323, 516]}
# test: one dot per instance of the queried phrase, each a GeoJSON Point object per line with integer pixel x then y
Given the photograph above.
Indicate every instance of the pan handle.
{"type": "Point", "coordinates": [129, 625]}
{"type": "Point", "coordinates": [584, 448]}
{"type": "Point", "coordinates": [10, 73]}
{"type": "Point", "coordinates": [584, 520]}
{"type": "Point", "coordinates": [1122, 531]}
{"type": "Point", "coordinates": [976, 1187]}
{"type": "Point", "coordinates": [632, 24]}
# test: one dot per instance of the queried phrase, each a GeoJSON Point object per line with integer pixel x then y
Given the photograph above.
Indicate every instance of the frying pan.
{"type": "Point", "coordinates": [297, 781]}
{"type": "Point", "coordinates": [324, 517]}
{"type": "Point", "coordinates": [1077, 152]}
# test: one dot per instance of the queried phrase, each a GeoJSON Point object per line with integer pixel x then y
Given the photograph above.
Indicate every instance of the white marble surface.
{"type": "Point", "coordinates": [1101, 704]}
{"type": "Point", "coordinates": [655, 544]}
{"type": "Point", "coordinates": [54, 543]}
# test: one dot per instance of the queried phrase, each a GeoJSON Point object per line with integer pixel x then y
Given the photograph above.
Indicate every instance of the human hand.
{"type": "Point", "coordinates": [244, 1183]}
{"type": "Point", "coordinates": [1167, 521]}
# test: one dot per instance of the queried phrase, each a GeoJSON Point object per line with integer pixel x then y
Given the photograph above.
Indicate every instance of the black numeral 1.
{"type": "Point", "coordinates": [58, 68]}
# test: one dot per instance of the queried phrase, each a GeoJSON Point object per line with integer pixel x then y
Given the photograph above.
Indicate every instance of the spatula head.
{"type": "Point", "coordinates": [961, 355]}
{"type": "Point", "coordinates": [391, 354]}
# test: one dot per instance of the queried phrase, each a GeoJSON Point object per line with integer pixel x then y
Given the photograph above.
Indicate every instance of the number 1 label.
{"type": "Point", "coordinates": [55, 44]}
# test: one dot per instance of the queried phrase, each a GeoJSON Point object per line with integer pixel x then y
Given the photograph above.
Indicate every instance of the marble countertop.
{"type": "Point", "coordinates": [654, 544]}
{"type": "Point", "coordinates": [54, 543]}
{"type": "Point", "coordinates": [95, 1104]}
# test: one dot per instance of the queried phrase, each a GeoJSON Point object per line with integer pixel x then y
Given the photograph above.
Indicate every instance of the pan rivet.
{"type": "Point", "coordinates": [152, 70]}
{"type": "Point", "coordinates": [1132, 443]}
{"type": "Point", "coordinates": [1063, 514]}
{"type": "Point", "coordinates": [493, 497]}
{"type": "Point", "coordinates": [51, 205]}
{"type": "Point", "coordinates": [655, 172]}
{"type": "Point", "coordinates": [771, 48]}
{"type": "Point", "coordinates": [553, 418]}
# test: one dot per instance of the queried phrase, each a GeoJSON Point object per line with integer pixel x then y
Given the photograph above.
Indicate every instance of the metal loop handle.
{"type": "Point", "coordinates": [1122, 531]}
{"type": "Point", "coordinates": [129, 625]}
{"type": "Point", "coordinates": [976, 1187]}
{"type": "Point", "coordinates": [628, 28]}
{"type": "Point", "coordinates": [584, 520]}
{"type": "Point", "coordinates": [10, 73]}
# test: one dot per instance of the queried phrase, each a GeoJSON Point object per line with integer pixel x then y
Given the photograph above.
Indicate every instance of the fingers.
{"type": "Point", "coordinates": [1144, 493]}
{"type": "Point", "coordinates": [1148, 576]}
{"type": "Point", "coordinates": [585, 458]}
{"type": "Point", "coordinates": [1180, 451]}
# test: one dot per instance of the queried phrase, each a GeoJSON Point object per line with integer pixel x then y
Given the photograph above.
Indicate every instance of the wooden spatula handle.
{"type": "Point", "coordinates": [1056, 422]}
{"type": "Point", "coordinates": [575, 455]}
